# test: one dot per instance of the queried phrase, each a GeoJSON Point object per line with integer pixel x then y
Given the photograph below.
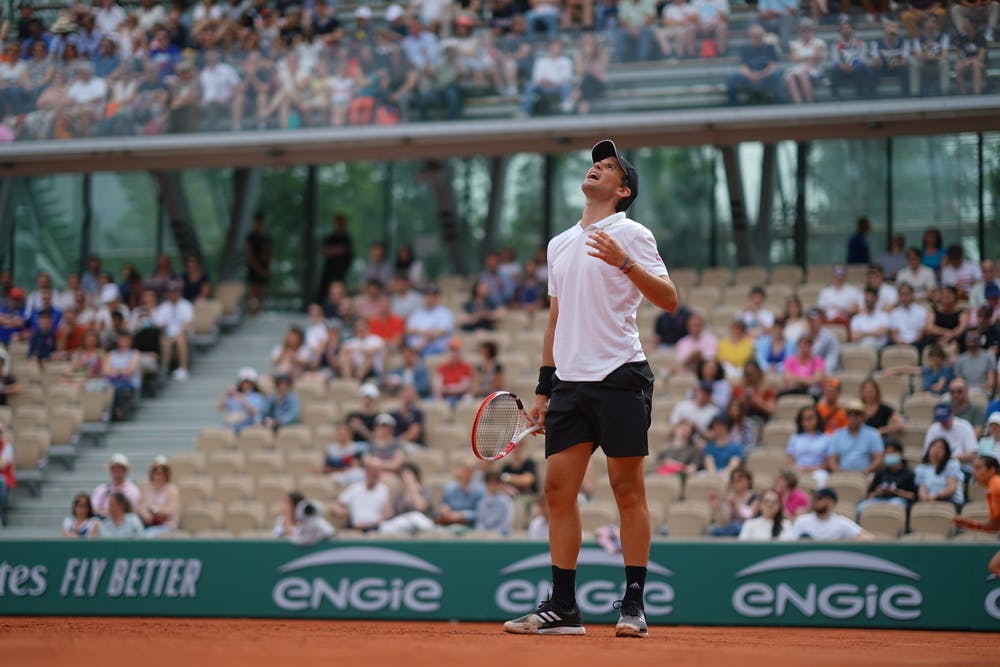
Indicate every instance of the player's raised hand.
{"type": "Point", "coordinates": [606, 248]}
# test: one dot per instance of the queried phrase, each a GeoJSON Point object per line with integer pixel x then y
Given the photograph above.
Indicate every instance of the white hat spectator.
{"type": "Point", "coordinates": [393, 12]}
{"type": "Point", "coordinates": [363, 12]}
{"type": "Point", "coordinates": [118, 459]}
{"type": "Point", "coordinates": [368, 390]}
{"type": "Point", "coordinates": [246, 374]}
{"type": "Point", "coordinates": [110, 293]}
{"type": "Point", "coordinates": [385, 419]}
{"type": "Point", "coordinates": [994, 419]}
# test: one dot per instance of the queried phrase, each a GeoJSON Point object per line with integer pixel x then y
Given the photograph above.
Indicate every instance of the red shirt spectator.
{"type": "Point", "coordinates": [453, 378]}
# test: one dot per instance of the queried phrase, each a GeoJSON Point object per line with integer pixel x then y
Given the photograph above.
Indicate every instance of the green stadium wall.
{"type": "Point", "coordinates": [829, 585]}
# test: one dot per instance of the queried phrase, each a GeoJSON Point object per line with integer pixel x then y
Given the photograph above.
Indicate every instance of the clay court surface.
{"type": "Point", "coordinates": [148, 642]}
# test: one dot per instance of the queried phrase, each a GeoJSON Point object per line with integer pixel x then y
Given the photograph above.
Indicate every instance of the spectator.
{"type": "Point", "coordinates": [809, 449]}
{"type": "Point", "coordinates": [384, 448]}
{"type": "Point", "coordinates": [409, 418]}
{"type": "Point", "coordinates": [634, 37]}
{"type": "Point", "coordinates": [284, 523]}
{"type": "Point", "coordinates": [453, 379]}
{"type": "Point", "coordinates": [947, 321]}
{"type": "Point", "coordinates": [551, 77]}
{"type": "Point", "coordinates": [461, 498]}
{"type": "Point", "coordinates": [839, 301]}
{"type": "Point", "coordinates": [939, 477]}
{"type": "Point", "coordinates": [979, 12]}
{"type": "Point", "coordinates": [366, 503]}
{"type": "Point", "coordinates": [990, 443]}
{"type": "Point", "coordinates": [976, 366]}
{"type": "Point", "coordinates": [403, 299]}
{"type": "Point", "coordinates": [758, 71]}
{"type": "Point", "coordinates": [917, 275]}
{"type": "Point", "coordinates": [87, 95]}
{"type": "Point", "coordinates": [81, 520]}
{"type": "Point", "coordinates": [520, 473]}
{"type": "Point", "coordinates": [42, 340]}
{"type": "Point", "coordinates": [87, 362]}
{"type": "Point", "coordinates": [531, 293]}
{"type": "Point", "coordinates": [292, 357]}
{"type": "Point", "coordinates": [807, 54]}
{"type": "Point", "coordinates": [962, 407]}
{"type": "Point", "coordinates": [160, 502]}
{"type": "Point", "coordinates": [514, 54]}
{"type": "Point", "coordinates": [338, 255]}
{"type": "Point", "coordinates": [888, 296]}
{"type": "Point", "coordinates": [219, 83]}
{"type": "Point", "coordinates": [755, 315]}
{"type": "Point", "coordinates": [442, 84]}
{"type": "Point", "coordinates": [411, 505]}
{"type": "Point", "coordinates": [363, 354]}
{"type": "Point", "coordinates": [174, 317]}
{"type": "Point", "coordinates": [481, 311]}
{"type": "Point", "coordinates": [378, 267]}
{"type": "Point", "coordinates": [362, 421]}
{"type": "Point", "coordinates": [710, 371]}
{"type": "Point", "coordinates": [429, 328]}
{"type": "Point", "coordinates": [259, 253]}
{"type": "Point", "coordinates": [344, 453]}
{"type": "Point", "coordinates": [856, 447]}
{"type": "Point", "coordinates": [742, 429]}
{"type": "Point", "coordinates": [769, 523]}
{"type": "Point", "coordinates": [756, 393]}
{"type": "Point", "coordinates": [316, 333]}
{"type": "Point", "coordinates": [538, 527]}
{"type": "Point", "coordinates": [958, 272]}
{"type": "Point", "coordinates": [495, 510]}
{"type": "Point", "coordinates": [721, 456]}
{"type": "Point", "coordinates": [957, 431]}
{"type": "Point", "coordinates": [794, 500]}
{"type": "Point", "coordinates": [410, 265]}
{"type": "Point", "coordinates": [895, 258]}
{"type": "Point", "coordinates": [670, 328]}
{"type": "Point", "coordinates": [698, 410]}
{"type": "Point", "coordinates": [804, 372]}
{"type": "Point", "coordinates": [829, 408]}
{"type": "Point", "coordinates": [907, 319]}
{"type": "Point", "coordinates": [936, 376]}
{"type": "Point", "coordinates": [243, 404]}
{"type": "Point", "coordinates": [591, 69]}
{"type": "Point", "coordinates": [735, 507]}
{"type": "Point", "coordinates": [870, 325]}
{"type": "Point", "coordinates": [849, 64]}
{"type": "Point", "coordinates": [283, 409]}
{"type": "Point", "coordinates": [543, 17]}
{"type": "Point", "coordinates": [7, 479]}
{"type": "Point", "coordinates": [387, 325]}
{"type": "Point", "coordinates": [712, 26]}
{"type": "Point", "coordinates": [890, 59]}
{"type": "Point", "coordinates": [772, 348]}
{"type": "Point", "coordinates": [197, 284]}
{"type": "Point", "coordinates": [489, 375]}
{"type": "Point", "coordinates": [930, 64]}
{"type": "Point", "coordinates": [120, 521]}
{"type": "Point", "coordinates": [9, 385]}
{"type": "Point", "coordinates": [682, 455]}
{"type": "Point", "coordinates": [879, 415]}
{"type": "Point", "coordinates": [918, 11]}
{"type": "Point", "coordinates": [410, 373]}
{"type": "Point", "coordinates": [824, 524]}
{"type": "Point", "coordinates": [697, 345]}
{"type": "Point", "coordinates": [893, 482]}
{"type": "Point", "coordinates": [778, 17]}
{"type": "Point", "coordinates": [12, 315]}
{"type": "Point", "coordinates": [977, 293]}
{"type": "Point", "coordinates": [310, 526]}
{"type": "Point", "coordinates": [122, 367]}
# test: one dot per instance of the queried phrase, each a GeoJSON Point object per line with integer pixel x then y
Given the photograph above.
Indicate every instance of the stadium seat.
{"type": "Point", "coordinates": [195, 489]}
{"type": "Point", "coordinates": [436, 412]}
{"type": "Point", "coordinates": [254, 439]}
{"type": "Point", "coordinates": [303, 462]}
{"type": "Point", "coordinates": [750, 276]}
{"type": "Point", "coordinates": [704, 487]}
{"type": "Point", "coordinates": [184, 464]}
{"type": "Point", "coordinates": [273, 487]}
{"type": "Point", "coordinates": [912, 437]}
{"type": "Point", "coordinates": [894, 389]}
{"type": "Point", "coordinates": [688, 518]}
{"type": "Point", "coordinates": [679, 384]}
{"type": "Point", "coordinates": [244, 515]}
{"type": "Point", "coordinates": [735, 297]}
{"type": "Point", "coordinates": [597, 513]}
{"type": "Point", "coordinates": [218, 464]}
{"type": "Point", "coordinates": [230, 295]}
{"type": "Point", "coordinates": [850, 384]}
{"type": "Point", "coordinates": [720, 317]}
{"type": "Point", "coordinates": [858, 359]}
{"type": "Point", "coordinates": [64, 432]}
{"type": "Point", "coordinates": [703, 296]}
{"type": "Point", "coordinates": [448, 436]}
{"type": "Point", "coordinates": [311, 392]}
{"type": "Point", "coordinates": [919, 407]}
{"type": "Point", "coordinates": [976, 509]}
{"type": "Point", "coordinates": [64, 393]}
{"type": "Point", "coordinates": [786, 274]}
{"type": "Point", "coordinates": [975, 493]}
{"type": "Point", "coordinates": [205, 323]}
{"type": "Point", "coordinates": [975, 536]}
{"type": "Point", "coordinates": [819, 273]}
{"type": "Point", "coordinates": [202, 517]}
{"type": "Point", "coordinates": [684, 278]}
{"type": "Point", "coordinates": [96, 406]}
{"type": "Point", "coordinates": [264, 462]}
{"type": "Point", "coordinates": [230, 488]}
{"type": "Point", "coordinates": [932, 517]}
{"type": "Point", "coordinates": [216, 439]}
{"type": "Point", "coordinates": [31, 455]}
{"type": "Point", "coordinates": [922, 537]}
{"type": "Point", "coordinates": [292, 437]}
{"type": "Point", "coordinates": [720, 276]}
{"type": "Point", "coordinates": [27, 417]}
{"type": "Point", "coordinates": [808, 294]}
{"type": "Point", "coordinates": [776, 434]}
{"type": "Point", "coordinates": [851, 487]}
{"type": "Point", "coordinates": [884, 520]}
{"type": "Point", "coordinates": [428, 460]}
{"type": "Point", "coordinates": [342, 389]}
{"type": "Point", "coordinates": [788, 406]}
{"type": "Point", "coordinates": [766, 461]}
{"type": "Point", "coordinates": [174, 535]}
{"type": "Point", "coordinates": [896, 356]}
{"type": "Point", "coordinates": [315, 414]}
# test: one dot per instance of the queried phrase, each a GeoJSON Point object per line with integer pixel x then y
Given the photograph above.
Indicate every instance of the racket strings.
{"type": "Point", "coordinates": [498, 425]}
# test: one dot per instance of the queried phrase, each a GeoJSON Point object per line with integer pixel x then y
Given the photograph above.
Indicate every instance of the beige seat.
{"type": "Point", "coordinates": [255, 438]}
{"type": "Point", "coordinates": [184, 464]}
{"type": "Point", "coordinates": [923, 537]}
{"type": "Point", "coordinates": [750, 276]}
{"type": "Point", "coordinates": [28, 417]}
{"type": "Point", "coordinates": [683, 278]}
{"type": "Point", "coordinates": [205, 322]}
{"type": "Point", "coordinates": [851, 487]}
{"type": "Point", "coordinates": [174, 535]}
{"type": "Point", "coordinates": [428, 460]}
{"type": "Point", "coordinates": [704, 487]}
{"type": "Point", "coordinates": [933, 518]}
{"type": "Point", "coordinates": [218, 464]}
{"type": "Point", "coordinates": [274, 487]}
{"type": "Point", "coordinates": [97, 412]}
{"type": "Point", "coordinates": [721, 276]}
{"type": "Point", "coordinates": [64, 393]}
{"type": "Point", "coordinates": [64, 433]}
{"type": "Point", "coordinates": [895, 356]}
{"type": "Point", "coordinates": [216, 438]}
{"type": "Point", "coordinates": [31, 454]}
{"type": "Point", "coordinates": [663, 490]}
{"type": "Point", "coordinates": [596, 513]}
{"type": "Point", "coordinates": [230, 294]}
{"type": "Point", "coordinates": [809, 293]}
{"type": "Point", "coordinates": [884, 519]}
{"type": "Point", "coordinates": [766, 462]}
{"type": "Point", "coordinates": [230, 488]}
{"type": "Point", "coordinates": [819, 273]}
{"type": "Point", "coordinates": [688, 518]}
{"type": "Point", "coordinates": [318, 414]}
{"type": "Point", "coordinates": [977, 510]}
{"type": "Point", "coordinates": [858, 359]}
{"type": "Point", "coordinates": [448, 436]}
{"type": "Point", "coordinates": [776, 434]}
{"type": "Point", "coordinates": [303, 462]}
{"type": "Point", "coordinates": [703, 296]}
{"type": "Point", "coordinates": [975, 493]}
{"type": "Point", "coordinates": [195, 489]}
{"type": "Point", "coordinates": [202, 517]}
{"type": "Point", "coordinates": [919, 407]}
{"type": "Point", "coordinates": [786, 274]}
{"type": "Point", "coordinates": [294, 436]}
{"type": "Point", "coordinates": [245, 515]}
{"type": "Point", "coordinates": [318, 487]}
{"type": "Point", "coordinates": [313, 391]}
{"type": "Point", "coordinates": [264, 462]}
{"type": "Point", "coordinates": [975, 536]}
{"type": "Point", "coordinates": [912, 438]}
{"type": "Point", "coordinates": [788, 406]}
{"type": "Point", "coordinates": [436, 411]}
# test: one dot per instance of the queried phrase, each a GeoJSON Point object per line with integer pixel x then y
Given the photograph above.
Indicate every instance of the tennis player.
{"type": "Point", "coordinates": [595, 386]}
{"type": "Point", "coordinates": [985, 471]}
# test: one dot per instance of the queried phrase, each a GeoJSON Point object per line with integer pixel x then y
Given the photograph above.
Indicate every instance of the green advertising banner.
{"type": "Point", "coordinates": [715, 583]}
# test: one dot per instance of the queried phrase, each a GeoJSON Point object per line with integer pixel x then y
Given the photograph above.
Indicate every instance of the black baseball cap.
{"type": "Point", "coordinates": [827, 493]}
{"type": "Point", "coordinates": [605, 149]}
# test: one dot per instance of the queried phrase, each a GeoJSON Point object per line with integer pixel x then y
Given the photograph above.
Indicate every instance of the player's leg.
{"type": "Point", "coordinates": [628, 485]}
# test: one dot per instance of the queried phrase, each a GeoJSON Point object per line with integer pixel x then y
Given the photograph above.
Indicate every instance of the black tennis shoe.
{"type": "Point", "coordinates": [549, 619]}
{"type": "Point", "coordinates": [632, 619]}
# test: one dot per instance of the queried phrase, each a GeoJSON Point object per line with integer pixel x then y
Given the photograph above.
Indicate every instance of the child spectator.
{"type": "Point", "coordinates": [735, 507]}
{"type": "Point", "coordinates": [721, 456]}
{"type": "Point", "coordinates": [495, 510]}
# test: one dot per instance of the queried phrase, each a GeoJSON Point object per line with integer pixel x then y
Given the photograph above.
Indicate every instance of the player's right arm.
{"type": "Point", "coordinates": [537, 411]}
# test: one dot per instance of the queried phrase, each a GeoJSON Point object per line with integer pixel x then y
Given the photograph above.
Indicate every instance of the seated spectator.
{"type": "Point", "coordinates": [675, 33]}
{"type": "Point", "coordinates": [366, 503]}
{"type": "Point", "coordinates": [551, 78]}
{"type": "Point", "coordinates": [735, 507]}
{"type": "Point", "coordinates": [939, 476]}
{"type": "Point", "coordinates": [698, 410]}
{"type": "Point", "coordinates": [710, 371]}
{"type": "Point", "coordinates": [429, 328]}
{"type": "Point", "coordinates": [758, 71]}
{"type": "Point", "coordinates": [778, 17]}
{"type": "Point", "coordinates": [520, 474]}
{"type": "Point", "coordinates": [634, 39]}
{"type": "Point", "coordinates": [119, 520]}
{"type": "Point", "coordinates": [721, 456]}
{"type": "Point", "coordinates": [736, 349]}
{"type": "Point", "coordinates": [856, 447]}
{"type": "Point", "coordinates": [12, 314]}
{"type": "Point", "coordinates": [804, 372]}
{"type": "Point", "coordinates": [823, 524]}
{"type": "Point", "coordinates": [409, 418]}
{"type": "Point", "coordinates": [742, 429]}
{"type": "Point", "coordinates": [669, 327]}
{"type": "Point", "coordinates": [514, 54]}
{"type": "Point", "coordinates": [809, 449]}
{"type": "Point", "coordinates": [682, 454]}
{"type": "Point", "coordinates": [917, 275]}
{"type": "Point", "coordinates": [894, 259]}
{"type": "Point", "coordinates": [160, 502]}
{"type": "Point", "coordinates": [123, 369]}
{"type": "Point", "coordinates": [893, 482]}
{"type": "Point", "coordinates": [410, 373]}
{"type": "Point", "coordinates": [310, 525]}
{"type": "Point", "coordinates": [825, 343]}
{"type": "Point", "coordinates": [985, 12]}
{"type": "Point", "coordinates": [839, 301]}
{"type": "Point", "coordinates": [292, 357]}
{"type": "Point", "coordinates": [531, 292]}
{"type": "Point", "coordinates": [977, 293]}
{"type": "Point", "coordinates": [453, 379]}
{"type": "Point", "coordinates": [9, 385]}
{"type": "Point", "coordinates": [538, 526]}
{"type": "Point", "coordinates": [489, 376]}
{"type": "Point", "coordinates": [698, 344]}
{"type": "Point", "coordinates": [772, 348]}
{"type": "Point", "coordinates": [769, 523]}
{"type": "Point", "coordinates": [712, 26]}
{"type": "Point", "coordinates": [362, 356]}
{"type": "Point", "coordinates": [411, 506]}
{"type": "Point", "coordinates": [410, 265]}
{"type": "Point", "coordinates": [495, 510]}
{"type": "Point", "coordinates": [959, 433]}
{"type": "Point", "coordinates": [879, 415]}
{"type": "Point", "coordinates": [174, 317]}
{"type": "Point", "coordinates": [870, 325]}
{"type": "Point", "coordinates": [890, 59]}
{"type": "Point", "coordinates": [947, 322]}
{"type": "Point", "coordinates": [197, 284]}
{"type": "Point", "coordinates": [362, 421]}
{"type": "Point", "coordinates": [461, 498]}
{"type": "Point", "coordinates": [243, 404]}
{"type": "Point", "coordinates": [978, 367]}
{"type": "Point", "coordinates": [756, 393]}
{"type": "Point", "coordinates": [990, 442]}
{"type": "Point", "coordinates": [87, 95]}
{"type": "Point", "coordinates": [850, 65]}
{"type": "Point", "coordinates": [807, 53]}
{"type": "Point", "coordinates": [441, 84]}
{"type": "Point", "coordinates": [343, 456]}
{"type": "Point", "coordinates": [591, 67]}
{"type": "Point", "coordinates": [42, 339]}
{"type": "Point", "coordinates": [87, 362]}
{"type": "Point", "coordinates": [828, 406]}
{"type": "Point", "coordinates": [7, 479]}
{"type": "Point", "coordinates": [794, 500]}
{"type": "Point", "coordinates": [936, 375]}
{"type": "Point", "coordinates": [284, 523]}
{"type": "Point", "coordinates": [915, 13]}
{"type": "Point", "coordinates": [317, 332]}
{"type": "Point", "coordinates": [962, 407]}
{"type": "Point", "coordinates": [796, 323]}
{"type": "Point", "coordinates": [387, 325]}
{"type": "Point", "coordinates": [543, 17]}
{"type": "Point", "coordinates": [384, 448]}
{"type": "Point", "coordinates": [282, 408]}
{"type": "Point", "coordinates": [480, 312]}
{"type": "Point", "coordinates": [930, 57]}
{"type": "Point", "coordinates": [81, 521]}
{"type": "Point", "coordinates": [69, 335]}
{"type": "Point", "coordinates": [958, 272]}
{"type": "Point", "coordinates": [907, 319]}
{"type": "Point", "coordinates": [120, 483]}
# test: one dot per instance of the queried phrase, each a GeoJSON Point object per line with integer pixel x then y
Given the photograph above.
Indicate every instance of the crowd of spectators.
{"type": "Point", "coordinates": [153, 68]}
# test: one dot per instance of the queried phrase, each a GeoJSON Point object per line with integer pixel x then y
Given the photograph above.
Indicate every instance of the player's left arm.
{"type": "Point", "coordinates": [659, 289]}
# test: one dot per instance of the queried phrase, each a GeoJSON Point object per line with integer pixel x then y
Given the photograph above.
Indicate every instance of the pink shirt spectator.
{"type": "Point", "coordinates": [795, 367]}
{"type": "Point", "coordinates": [706, 343]}
{"type": "Point", "coordinates": [794, 501]}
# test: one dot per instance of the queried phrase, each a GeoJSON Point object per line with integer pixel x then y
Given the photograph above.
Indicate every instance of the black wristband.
{"type": "Point", "coordinates": [544, 386]}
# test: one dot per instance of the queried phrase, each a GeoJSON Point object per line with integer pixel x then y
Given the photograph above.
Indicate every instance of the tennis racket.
{"type": "Point", "coordinates": [500, 424]}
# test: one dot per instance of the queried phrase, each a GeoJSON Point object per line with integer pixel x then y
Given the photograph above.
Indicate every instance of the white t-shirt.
{"type": "Point", "coordinates": [556, 70]}
{"type": "Point", "coordinates": [674, 14]}
{"type": "Point", "coordinates": [596, 330]}
{"type": "Point", "coordinates": [108, 20]}
{"type": "Point", "coordinates": [922, 280]}
{"type": "Point", "coordinates": [699, 415]}
{"type": "Point", "coordinates": [218, 83]}
{"type": "Point", "coordinates": [174, 317]}
{"type": "Point", "coordinates": [367, 506]}
{"type": "Point", "coordinates": [907, 323]}
{"type": "Point", "coordinates": [94, 91]}
{"type": "Point", "coordinates": [317, 336]}
{"type": "Point", "coordinates": [961, 436]}
{"type": "Point", "coordinates": [370, 344]}
{"type": "Point", "coordinates": [963, 277]}
{"type": "Point", "coordinates": [213, 13]}
{"type": "Point", "coordinates": [888, 297]}
{"type": "Point", "coordinates": [864, 326]}
{"type": "Point", "coordinates": [837, 301]}
{"type": "Point", "coordinates": [760, 529]}
{"type": "Point", "coordinates": [835, 527]}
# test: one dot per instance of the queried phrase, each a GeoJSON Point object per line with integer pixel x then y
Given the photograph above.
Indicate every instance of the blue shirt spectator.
{"type": "Point", "coordinates": [283, 409]}
{"type": "Point", "coordinates": [722, 454]}
{"type": "Point", "coordinates": [42, 343]}
{"type": "Point", "coordinates": [809, 450]}
{"type": "Point", "coordinates": [857, 447]}
{"type": "Point", "coordinates": [461, 498]}
{"type": "Point", "coordinates": [495, 510]}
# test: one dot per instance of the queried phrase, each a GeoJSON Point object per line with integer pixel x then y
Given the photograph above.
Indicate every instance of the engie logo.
{"type": "Point", "coordinates": [825, 595]}
{"type": "Point", "coordinates": [992, 603]}
{"type": "Point", "coordinates": [367, 594]}
{"type": "Point", "coordinates": [594, 596]}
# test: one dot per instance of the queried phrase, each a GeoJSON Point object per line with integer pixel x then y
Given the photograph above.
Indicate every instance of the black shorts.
{"type": "Point", "coordinates": [613, 413]}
